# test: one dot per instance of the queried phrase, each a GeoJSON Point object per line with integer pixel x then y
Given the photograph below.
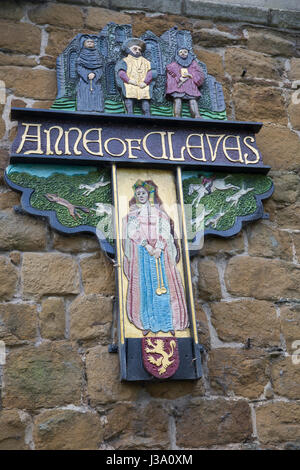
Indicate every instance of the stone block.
{"type": "Point", "coordinates": [18, 323]}
{"type": "Point", "coordinates": [278, 422]}
{"type": "Point", "coordinates": [209, 287]}
{"type": "Point", "coordinates": [131, 427]}
{"type": "Point", "coordinates": [294, 72]}
{"type": "Point", "coordinates": [49, 273]}
{"type": "Point", "coordinates": [228, 12]}
{"type": "Point", "coordinates": [206, 37]}
{"type": "Point", "coordinates": [164, 6]}
{"type": "Point", "coordinates": [17, 59]}
{"type": "Point", "coordinates": [52, 318]}
{"type": "Point", "coordinates": [12, 431]}
{"type": "Point", "coordinates": [285, 18]}
{"type": "Point", "coordinates": [289, 217]}
{"type": "Point", "coordinates": [294, 112]}
{"type": "Point", "coordinates": [58, 40]}
{"type": "Point", "coordinates": [97, 18]}
{"type": "Point", "coordinates": [290, 326]}
{"type": "Point", "coordinates": [255, 64]}
{"type": "Point", "coordinates": [58, 15]}
{"type": "Point", "coordinates": [21, 232]}
{"type": "Point", "coordinates": [8, 279]}
{"type": "Point", "coordinates": [237, 371]}
{"type": "Point", "coordinates": [157, 24]}
{"type": "Point", "coordinates": [270, 42]}
{"type": "Point", "coordinates": [46, 376]}
{"type": "Point", "coordinates": [286, 378]}
{"type": "Point", "coordinates": [30, 83]}
{"type": "Point", "coordinates": [215, 245]}
{"type": "Point", "coordinates": [206, 423]}
{"type": "Point", "coordinates": [262, 278]}
{"type": "Point", "coordinates": [259, 103]}
{"type": "Point", "coordinates": [286, 187]}
{"type": "Point", "coordinates": [98, 275]}
{"type": "Point", "coordinates": [242, 319]}
{"type": "Point", "coordinates": [268, 242]}
{"type": "Point", "coordinates": [213, 61]}
{"type": "Point", "coordinates": [67, 430]}
{"type": "Point", "coordinates": [20, 37]}
{"type": "Point", "coordinates": [104, 385]}
{"type": "Point", "coordinates": [11, 10]}
{"type": "Point", "coordinates": [77, 243]}
{"type": "Point", "coordinates": [280, 147]}
{"type": "Point", "coordinates": [96, 321]}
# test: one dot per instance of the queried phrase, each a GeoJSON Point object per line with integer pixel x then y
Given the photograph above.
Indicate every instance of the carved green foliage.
{"type": "Point", "coordinates": [216, 201]}
{"type": "Point", "coordinates": [73, 193]}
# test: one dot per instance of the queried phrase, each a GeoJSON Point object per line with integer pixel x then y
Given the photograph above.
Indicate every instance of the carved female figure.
{"type": "Point", "coordinates": [155, 295]}
{"type": "Point", "coordinates": [89, 68]}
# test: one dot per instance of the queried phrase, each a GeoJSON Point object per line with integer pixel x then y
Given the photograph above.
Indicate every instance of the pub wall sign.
{"type": "Point", "coordinates": [137, 150]}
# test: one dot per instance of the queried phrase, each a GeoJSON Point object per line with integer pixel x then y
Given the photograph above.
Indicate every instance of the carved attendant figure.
{"type": "Point", "coordinates": [155, 296]}
{"type": "Point", "coordinates": [89, 69]}
{"type": "Point", "coordinates": [184, 77]}
{"type": "Point", "coordinates": [134, 76]}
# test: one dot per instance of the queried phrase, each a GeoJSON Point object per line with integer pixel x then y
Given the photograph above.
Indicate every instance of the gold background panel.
{"type": "Point", "coordinates": [165, 181]}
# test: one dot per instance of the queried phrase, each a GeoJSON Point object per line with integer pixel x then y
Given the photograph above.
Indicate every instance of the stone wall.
{"type": "Point", "coordinates": [59, 386]}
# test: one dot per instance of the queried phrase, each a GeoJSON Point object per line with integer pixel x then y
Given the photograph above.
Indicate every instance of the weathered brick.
{"type": "Point", "coordinates": [52, 318]}
{"type": "Point", "coordinates": [238, 371]}
{"type": "Point", "coordinates": [12, 431]}
{"type": "Point", "coordinates": [294, 112]}
{"type": "Point", "coordinates": [290, 325]}
{"type": "Point", "coordinates": [286, 378]}
{"type": "Point", "coordinates": [280, 147]}
{"type": "Point", "coordinates": [20, 232]}
{"type": "Point", "coordinates": [213, 61]}
{"type": "Point", "coordinates": [278, 422]}
{"type": "Point", "coordinates": [286, 187]}
{"type": "Point", "coordinates": [18, 323]}
{"type": "Point", "coordinates": [77, 243]}
{"type": "Point", "coordinates": [8, 279]}
{"type": "Point", "coordinates": [11, 10]}
{"type": "Point", "coordinates": [36, 83]}
{"type": "Point", "coordinates": [270, 42]}
{"type": "Point", "coordinates": [294, 72]}
{"type": "Point", "coordinates": [157, 24]}
{"type": "Point", "coordinates": [256, 65]}
{"type": "Point", "coordinates": [165, 6]}
{"type": "Point", "coordinates": [206, 37]}
{"type": "Point", "coordinates": [206, 423]}
{"type": "Point", "coordinates": [289, 217]}
{"type": "Point", "coordinates": [49, 273]}
{"type": "Point", "coordinates": [96, 321]}
{"type": "Point", "coordinates": [296, 238]}
{"type": "Point", "coordinates": [67, 430]}
{"type": "Point", "coordinates": [104, 385]}
{"type": "Point", "coordinates": [243, 319]}
{"type": "Point", "coordinates": [98, 276]}
{"type": "Point", "coordinates": [209, 283]}
{"type": "Point", "coordinates": [131, 427]}
{"type": "Point", "coordinates": [259, 103]}
{"type": "Point", "coordinates": [266, 241]}
{"type": "Point", "coordinates": [97, 18]}
{"type": "Point", "coordinates": [17, 59]}
{"type": "Point", "coordinates": [262, 278]}
{"type": "Point", "coordinates": [42, 377]}
{"type": "Point", "coordinates": [233, 246]}
{"type": "Point", "coordinates": [58, 40]}
{"type": "Point", "coordinates": [20, 37]}
{"type": "Point", "coordinates": [202, 326]}
{"type": "Point", "coordinates": [172, 390]}
{"type": "Point", "coordinates": [58, 15]}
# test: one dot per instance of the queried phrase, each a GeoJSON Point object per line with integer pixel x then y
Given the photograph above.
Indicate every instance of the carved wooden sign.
{"type": "Point", "coordinates": [137, 150]}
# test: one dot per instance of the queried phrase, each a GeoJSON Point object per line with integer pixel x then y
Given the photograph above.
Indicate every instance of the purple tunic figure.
{"type": "Point", "coordinates": [184, 77]}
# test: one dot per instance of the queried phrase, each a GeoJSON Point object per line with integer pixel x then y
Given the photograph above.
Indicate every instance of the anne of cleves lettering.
{"type": "Point", "coordinates": [137, 150]}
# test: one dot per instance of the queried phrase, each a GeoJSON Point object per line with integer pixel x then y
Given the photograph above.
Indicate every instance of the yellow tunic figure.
{"type": "Point", "coordinates": [134, 76]}
{"type": "Point", "coordinates": [137, 69]}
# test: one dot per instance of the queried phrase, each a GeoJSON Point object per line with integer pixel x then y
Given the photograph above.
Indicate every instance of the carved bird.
{"type": "Point", "coordinates": [92, 187]}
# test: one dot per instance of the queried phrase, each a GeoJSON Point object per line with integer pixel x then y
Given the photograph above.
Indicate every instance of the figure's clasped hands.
{"type": "Point", "coordinates": [150, 249]}
{"type": "Point", "coordinates": [91, 76]}
{"type": "Point", "coordinates": [143, 85]}
{"type": "Point", "coordinates": [132, 82]}
{"type": "Point", "coordinates": [157, 253]}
